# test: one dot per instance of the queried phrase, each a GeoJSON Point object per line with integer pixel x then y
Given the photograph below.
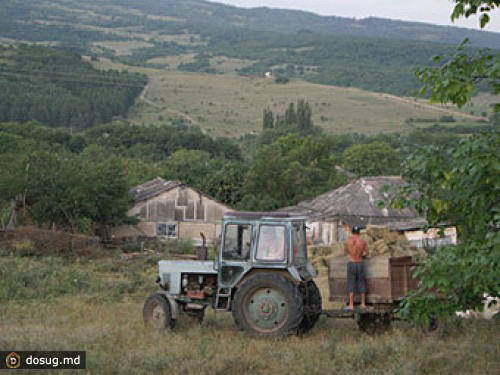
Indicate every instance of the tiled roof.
{"type": "Point", "coordinates": [357, 204]}
{"type": "Point", "coordinates": [152, 188]}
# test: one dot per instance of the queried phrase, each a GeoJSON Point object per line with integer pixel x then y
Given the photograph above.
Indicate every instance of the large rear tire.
{"type": "Point", "coordinates": [312, 306]}
{"type": "Point", "coordinates": [157, 313]}
{"type": "Point", "coordinates": [268, 305]}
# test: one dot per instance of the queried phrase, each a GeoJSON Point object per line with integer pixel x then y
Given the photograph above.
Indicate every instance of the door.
{"type": "Point", "coordinates": [235, 253]}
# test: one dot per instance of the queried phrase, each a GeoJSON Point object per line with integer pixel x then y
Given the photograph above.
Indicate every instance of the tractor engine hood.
{"type": "Point", "coordinates": [170, 272]}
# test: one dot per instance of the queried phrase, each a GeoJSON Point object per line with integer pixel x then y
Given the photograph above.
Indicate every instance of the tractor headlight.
{"type": "Point", "coordinates": [166, 281]}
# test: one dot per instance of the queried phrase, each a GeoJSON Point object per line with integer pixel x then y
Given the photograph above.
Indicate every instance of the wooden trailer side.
{"type": "Point", "coordinates": [387, 279]}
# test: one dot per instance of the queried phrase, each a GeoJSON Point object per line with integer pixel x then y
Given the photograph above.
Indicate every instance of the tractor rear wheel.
{"type": "Point", "coordinates": [312, 306]}
{"type": "Point", "coordinates": [157, 313]}
{"type": "Point", "coordinates": [268, 305]}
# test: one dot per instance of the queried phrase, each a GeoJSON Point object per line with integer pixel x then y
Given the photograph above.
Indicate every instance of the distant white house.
{"type": "Point", "coordinates": [268, 75]}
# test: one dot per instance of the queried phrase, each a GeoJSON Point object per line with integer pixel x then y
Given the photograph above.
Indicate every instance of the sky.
{"type": "Point", "coordinates": [432, 11]}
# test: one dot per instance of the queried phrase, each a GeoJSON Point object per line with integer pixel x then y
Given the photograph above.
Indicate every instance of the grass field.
{"type": "Point", "coordinates": [230, 105]}
{"type": "Point", "coordinates": [96, 305]}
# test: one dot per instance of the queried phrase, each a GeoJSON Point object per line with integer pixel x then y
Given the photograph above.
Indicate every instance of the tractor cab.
{"type": "Point", "coordinates": [260, 240]}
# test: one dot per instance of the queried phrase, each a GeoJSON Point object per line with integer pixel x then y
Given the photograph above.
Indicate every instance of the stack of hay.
{"type": "Point", "coordinates": [319, 258]}
{"type": "Point", "coordinates": [381, 241]}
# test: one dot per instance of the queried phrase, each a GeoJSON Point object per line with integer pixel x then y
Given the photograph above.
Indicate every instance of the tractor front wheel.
{"type": "Point", "coordinates": [268, 305]}
{"type": "Point", "coordinates": [157, 313]}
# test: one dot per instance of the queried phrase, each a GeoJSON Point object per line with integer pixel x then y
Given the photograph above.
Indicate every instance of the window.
{"type": "Point", "coordinates": [237, 242]}
{"type": "Point", "coordinates": [271, 243]}
{"type": "Point", "coordinates": [166, 230]}
{"type": "Point", "coordinates": [299, 243]}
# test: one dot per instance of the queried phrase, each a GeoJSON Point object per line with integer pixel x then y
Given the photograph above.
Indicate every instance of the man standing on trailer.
{"type": "Point", "coordinates": [357, 249]}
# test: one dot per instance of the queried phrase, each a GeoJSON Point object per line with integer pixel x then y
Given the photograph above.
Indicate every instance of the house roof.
{"type": "Point", "coordinates": [157, 186]}
{"type": "Point", "coordinates": [357, 204]}
{"type": "Point", "coordinates": [152, 188]}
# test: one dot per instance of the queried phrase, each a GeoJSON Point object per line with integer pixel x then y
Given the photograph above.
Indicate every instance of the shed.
{"type": "Point", "coordinates": [173, 210]}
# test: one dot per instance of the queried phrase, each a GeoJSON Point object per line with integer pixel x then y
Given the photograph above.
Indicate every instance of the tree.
{"type": "Point", "coordinates": [268, 119]}
{"type": "Point", "coordinates": [373, 159]}
{"type": "Point", "coordinates": [304, 115]}
{"type": "Point", "coordinates": [291, 169]}
{"type": "Point", "coordinates": [220, 178]}
{"type": "Point", "coordinates": [68, 190]}
{"type": "Point", "coordinates": [457, 77]}
{"type": "Point", "coordinates": [291, 116]}
{"type": "Point", "coordinates": [459, 185]}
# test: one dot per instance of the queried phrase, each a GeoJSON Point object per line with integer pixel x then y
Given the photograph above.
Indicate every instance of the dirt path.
{"type": "Point", "coordinates": [432, 107]}
{"type": "Point", "coordinates": [410, 101]}
{"type": "Point", "coordinates": [172, 111]}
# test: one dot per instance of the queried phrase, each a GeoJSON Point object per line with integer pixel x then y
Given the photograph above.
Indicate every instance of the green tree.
{"type": "Point", "coordinates": [68, 190]}
{"type": "Point", "coordinates": [220, 178]}
{"type": "Point", "coordinates": [291, 116]}
{"type": "Point", "coordinates": [459, 185]}
{"type": "Point", "coordinates": [289, 170]}
{"type": "Point", "coordinates": [304, 115]}
{"type": "Point", "coordinates": [268, 119]}
{"type": "Point", "coordinates": [188, 166]}
{"type": "Point", "coordinates": [373, 159]}
{"type": "Point", "coordinates": [457, 77]}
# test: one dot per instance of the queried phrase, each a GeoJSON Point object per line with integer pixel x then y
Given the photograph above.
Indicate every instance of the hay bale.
{"type": "Point", "coordinates": [369, 241]}
{"type": "Point", "coordinates": [391, 238]}
{"type": "Point", "coordinates": [324, 289]}
{"type": "Point", "coordinates": [380, 247]}
{"type": "Point", "coordinates": [377, 232]}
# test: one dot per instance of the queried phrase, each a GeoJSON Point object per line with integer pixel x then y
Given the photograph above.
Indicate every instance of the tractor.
{"type": "Point", "coordinates": [260, 275]}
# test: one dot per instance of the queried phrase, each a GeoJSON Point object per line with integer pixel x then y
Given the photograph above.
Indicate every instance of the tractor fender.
{"type": "Point", "coordinates": [285, 272]}
{"type": "Point", "coordinates": [173, 304]}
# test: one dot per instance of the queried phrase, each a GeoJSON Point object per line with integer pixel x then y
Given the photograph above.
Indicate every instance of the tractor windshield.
{"type": "Point", "coordinates": [299, 243]}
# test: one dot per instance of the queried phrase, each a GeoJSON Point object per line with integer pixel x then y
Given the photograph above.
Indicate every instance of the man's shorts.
{"type": "Point", "coordinates": [356, 278]}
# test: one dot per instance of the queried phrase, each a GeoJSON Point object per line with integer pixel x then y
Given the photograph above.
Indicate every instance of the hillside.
{"type": "Point", "coordinates": [231, 105]}
{"type": "Point", "coordinates": [373, 54]}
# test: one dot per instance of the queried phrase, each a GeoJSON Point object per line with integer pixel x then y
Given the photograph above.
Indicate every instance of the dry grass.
{"type": "Point", "coordinates": [123, 48]}
{"type": "Point", "coordinates": [109, 327]}
{"type": "Point", "coordinates": [223, 64]}
{"type": "Point", "coordinates": [173, 61]}
{"type": "Point", "coordinates": [229, 105]}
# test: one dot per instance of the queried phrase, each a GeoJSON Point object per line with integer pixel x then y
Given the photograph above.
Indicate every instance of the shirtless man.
{"type": "Point", "coordinates": [356, 248]}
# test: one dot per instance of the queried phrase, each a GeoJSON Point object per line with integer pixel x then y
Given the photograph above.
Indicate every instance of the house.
{"type": "Point", "coordinates": [173, 210]}
{"type": "Point", "coordinates": [331, 215]}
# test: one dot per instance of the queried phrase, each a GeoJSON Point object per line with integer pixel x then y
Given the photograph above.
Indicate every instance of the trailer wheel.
{"type": "Point", "coordinates": [157, 313]}
{"type": "Point", "coordinates": [374, 323]}
{"type": "Point", "coordinates": [312, 306]}
{"type": "Point", "coordinates": [268, 305]}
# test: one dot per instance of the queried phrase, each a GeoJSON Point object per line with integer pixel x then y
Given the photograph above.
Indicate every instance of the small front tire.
{"type": "Point", "coordinates": [157, 313]}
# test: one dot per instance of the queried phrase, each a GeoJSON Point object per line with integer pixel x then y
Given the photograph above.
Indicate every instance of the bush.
{"type": "Point", "coordinates": [282, 80]}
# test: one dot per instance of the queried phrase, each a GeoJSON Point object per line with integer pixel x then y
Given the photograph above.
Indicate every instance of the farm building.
{"type": "Point", "coordinates": [331, 215]}
{"type": "Point", "coordinates": [172, 210]}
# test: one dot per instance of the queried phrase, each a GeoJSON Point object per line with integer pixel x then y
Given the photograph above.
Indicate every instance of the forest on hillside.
{"type": "Point", "coordinates": [57, 88]}
{"type": "Point", "coordinates": [373, 54]}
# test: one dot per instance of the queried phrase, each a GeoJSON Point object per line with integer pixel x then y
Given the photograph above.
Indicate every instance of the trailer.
{"type": "Point", "coordinates": [388, 282]}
